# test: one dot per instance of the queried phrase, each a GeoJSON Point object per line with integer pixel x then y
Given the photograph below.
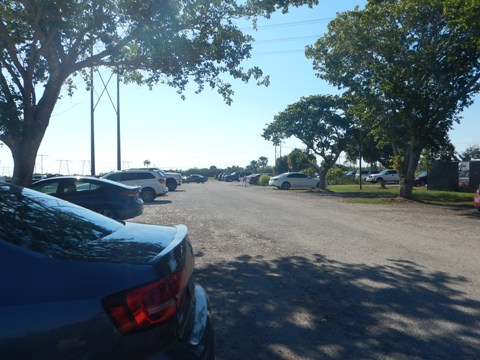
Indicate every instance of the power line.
{"type": "Point", "coordinates": [278, 52]}
{"type": "Point", "coordinates": [290, 24]}
{"type": "Point", "coordinates": [288, 39]}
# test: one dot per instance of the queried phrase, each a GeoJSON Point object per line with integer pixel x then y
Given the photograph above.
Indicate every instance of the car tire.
{"type": "Point", "coordinates": [285, 186]}
{"type": "Point", "coordinates": [171, 185]}
{"type": "Point", "coordinates": [148, 194]}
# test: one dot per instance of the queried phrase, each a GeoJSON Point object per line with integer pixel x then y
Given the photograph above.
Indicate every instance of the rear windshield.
{"type": "Point", "coordinates": [48, 225]}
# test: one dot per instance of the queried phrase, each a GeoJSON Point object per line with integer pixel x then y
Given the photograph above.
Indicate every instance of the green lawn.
{"type": "Point", "coordinates": [375, 194]}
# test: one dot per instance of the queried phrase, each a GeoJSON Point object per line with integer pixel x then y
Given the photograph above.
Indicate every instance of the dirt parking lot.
{"type": "Point", "coordinates": [302, 275]}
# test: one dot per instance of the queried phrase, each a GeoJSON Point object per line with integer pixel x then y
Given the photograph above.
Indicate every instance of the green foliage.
{"type": "Point", "coordinates": [373, 194]}
{"type": "Point", "coordinates": [263, 180]}
{"type": "Point", "coordinates": [473, 152]}
{"type": "Point", "coordinates": [47, 43]}
{"type": "Point", "coordinates": [336, 176]}
{"type": "Point", "coordinates": [408, 71]}
{"type": "Point", "coordinates": [320, 122]}
{"type": "Point", "coordinates": [281, 165]}
{"type": "Point", "coordinates": [308, 171]}
{"type": "Point", "coordinates": [299, 160]}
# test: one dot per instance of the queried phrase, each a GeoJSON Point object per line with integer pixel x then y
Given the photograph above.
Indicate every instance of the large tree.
{"type": "Point", "coordinates": [410, 66]}
{"type": "Point", "coordinates": [44, 43]}
{"type": "Point", "coordinates": [320, 122]}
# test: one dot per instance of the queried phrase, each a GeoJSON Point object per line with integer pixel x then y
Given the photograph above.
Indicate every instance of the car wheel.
{"type": "Point", "coordinates": [171, 185]}
{"type": "Point", "coordinates": [108, 212]}
{"type": "Point", "coordinates": [148, 194]}
{"type": "Point", "coordinates": [285, 185]}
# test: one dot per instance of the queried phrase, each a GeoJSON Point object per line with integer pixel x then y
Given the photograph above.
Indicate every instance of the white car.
{"type": "Point", "coordinates": [385, 176]}
{"type": "Point", "coordinates": [293, 180]}
{"type": "Point", "coordinates": [153, 183]}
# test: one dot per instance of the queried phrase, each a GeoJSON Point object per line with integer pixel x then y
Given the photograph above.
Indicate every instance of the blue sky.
{"type": "Point", "coordinates": [202, 130]}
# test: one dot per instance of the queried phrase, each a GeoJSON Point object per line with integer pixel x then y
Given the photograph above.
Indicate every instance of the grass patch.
{"type": "Point", "coordinates": [375, 194]}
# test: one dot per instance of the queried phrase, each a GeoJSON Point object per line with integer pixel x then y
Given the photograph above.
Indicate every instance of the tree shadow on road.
{"type": "Point", "coordinates": [315, 308]}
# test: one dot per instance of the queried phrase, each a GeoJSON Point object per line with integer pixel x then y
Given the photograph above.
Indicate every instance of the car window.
{"type": "Point", "coordinates": [48, 188]}
{"type": "Point", "coordinates": [48, 225]}
{"type": "Point", "coordinates": [114, 176]}
{"type": "Point", "coordinates": [86, 186]}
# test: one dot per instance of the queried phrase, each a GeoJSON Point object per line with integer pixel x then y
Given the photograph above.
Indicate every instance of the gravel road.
{"type": "Point", "coordinates": [308, 275]}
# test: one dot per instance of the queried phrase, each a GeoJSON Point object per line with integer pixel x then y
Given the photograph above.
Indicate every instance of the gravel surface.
{"type": "Point", "coordinates": [308, 275]}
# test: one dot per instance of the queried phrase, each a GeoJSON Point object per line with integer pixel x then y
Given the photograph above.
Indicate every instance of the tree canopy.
{"type": "Point", "coordinates": [45, 43]}
{"type": "Point", "coordinates": [408, 67]}
{"type": "Point", "coordinates": [320, 123]}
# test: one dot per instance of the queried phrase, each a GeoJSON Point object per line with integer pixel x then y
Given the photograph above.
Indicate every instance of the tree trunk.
{"type": "Point", "coordinates": [323, 179]}
{"type": "Point", "coordinates": [25, 143]}
{"type": "Point", "coordinates": [24, 154]}
{"type": "Point", "coordinates": [409, 166]}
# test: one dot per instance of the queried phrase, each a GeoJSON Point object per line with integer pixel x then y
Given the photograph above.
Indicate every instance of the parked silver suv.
{"type": "Point", "coordinates": [385, 176]}
{"type": "Point", "coordinates": [173, 179]}
{"type": "Point", "coordinates": [153, 183]}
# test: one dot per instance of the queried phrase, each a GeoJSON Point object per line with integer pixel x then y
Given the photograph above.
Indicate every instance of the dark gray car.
{"type": "Point", "coordinates": [78, 285]}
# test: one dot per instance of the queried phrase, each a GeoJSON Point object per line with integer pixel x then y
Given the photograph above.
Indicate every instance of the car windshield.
{"type": "Point", "coordinates": [48, 225]}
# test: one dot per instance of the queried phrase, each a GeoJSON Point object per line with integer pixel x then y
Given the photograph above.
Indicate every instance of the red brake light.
{"type": "Point", "coordinates": [161, 180]}
{"type": "Point", "coordinates": [146, 306]}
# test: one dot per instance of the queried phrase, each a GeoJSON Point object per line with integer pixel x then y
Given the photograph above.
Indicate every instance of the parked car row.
{"type": "Point", "coordinates": [234, 176]}
{"type": "Point", "coordinates": [195, 178]}
{"type": "Point", "coordinates": [153, 182]}
{"type": "Point", "coordinates": [118, 194]}
{"type": "Point", "coordinates": [81, 285]}
{"type": "Point", "coordinates": [109, 198]}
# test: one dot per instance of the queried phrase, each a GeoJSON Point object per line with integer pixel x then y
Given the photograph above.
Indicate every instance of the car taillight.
{"type": "Point", "coordinates": [149, 305]}
{"type": "Point", "coordinates": [161, 181]}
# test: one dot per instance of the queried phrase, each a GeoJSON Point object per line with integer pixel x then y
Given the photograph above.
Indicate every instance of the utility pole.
{"type": "Point", "coordinates": [41, 162]}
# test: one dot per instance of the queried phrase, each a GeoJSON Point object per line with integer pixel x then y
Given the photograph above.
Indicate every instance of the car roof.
{"type": "Point", "coordinates": [83, 177]}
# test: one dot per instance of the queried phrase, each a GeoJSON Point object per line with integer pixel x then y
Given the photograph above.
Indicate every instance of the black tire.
{"type": "Point", "coordinates": [285, 186]}
{"type": "Point", "coordinates": [171, 185]}
{"type": "Point", "coordinates": [148, 194]}
{"type": "Point", "coordinates": [108, 212]}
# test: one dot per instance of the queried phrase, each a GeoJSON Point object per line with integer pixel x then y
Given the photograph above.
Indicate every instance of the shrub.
{"type": "Point", "coordinates": [310, 172]}
{"type": "Point", "coordinates": [336, 176]}
{"type": "Point", "coordinates": [263, 180]}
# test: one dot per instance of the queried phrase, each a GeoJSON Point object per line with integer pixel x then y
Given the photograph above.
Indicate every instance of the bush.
{"type": "Point", "coordinates": [310, 172]}
{"type": "Point", "coordinates": [263, 180]}
{"type": "Point", "coordinates": [336, 176]}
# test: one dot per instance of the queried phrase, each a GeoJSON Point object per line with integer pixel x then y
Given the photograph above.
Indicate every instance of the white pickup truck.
{"type": "Point", "coordinates": [173, 180]}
